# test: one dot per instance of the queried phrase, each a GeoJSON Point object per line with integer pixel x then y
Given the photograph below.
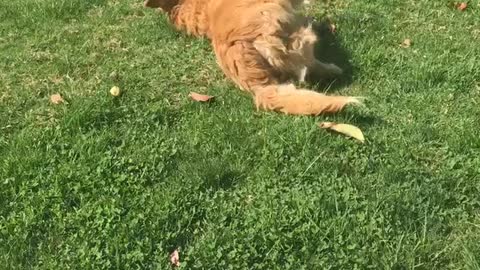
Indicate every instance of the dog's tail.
{"type": "Point", "coordinates": [290, 100]}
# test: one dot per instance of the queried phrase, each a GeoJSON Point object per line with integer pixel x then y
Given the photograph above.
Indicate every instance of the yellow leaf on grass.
{"type": "Point", "coordinates": [115, 91]}
{"type": "Point", "coordinates": [346, 129]}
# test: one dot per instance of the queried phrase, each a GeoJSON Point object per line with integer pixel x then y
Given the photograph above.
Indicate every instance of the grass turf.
{"type": "Point", "coordinates": [118, 183]}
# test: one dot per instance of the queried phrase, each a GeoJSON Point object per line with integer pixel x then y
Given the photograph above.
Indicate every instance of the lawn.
{"type": "Point", "coordinates": [119, 183]}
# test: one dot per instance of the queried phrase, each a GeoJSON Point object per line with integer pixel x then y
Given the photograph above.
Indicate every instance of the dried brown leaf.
{"type": "Point", "coordinates": [406, 43]}
{"type": "Point", "coordinates": [200, 97]}
{"type": "Point", "coordinates": [56, 99]}
{"type": "Point", "coordinates": [462, 6]}
{"type": "Point", "coordinates": [175, 258]}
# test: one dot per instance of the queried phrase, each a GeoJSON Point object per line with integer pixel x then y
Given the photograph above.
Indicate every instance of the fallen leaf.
{"type": "Point", "coordinates": [56, 99]}
{"type": "Point", "coordinates": [200, 97]}
{"type": "Point", "coordinates": [462, 6]}
{"type": "Point", "coordinates": [115, 91]}
{"type": "Point", "coordinates": [175, 258]}
{"type": "Point", "coordinates": [406, 43]}
{"type": "Point", "coordinates": [346, 129]}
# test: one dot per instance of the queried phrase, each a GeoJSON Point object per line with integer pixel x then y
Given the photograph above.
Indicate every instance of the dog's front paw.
{"type": "Point", "coordinates": [301, 74]}
{"type": "Point", "coordinates": [334, 69]}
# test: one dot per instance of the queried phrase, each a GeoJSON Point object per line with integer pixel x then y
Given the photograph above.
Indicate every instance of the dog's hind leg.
{"type": "Point", "coordinates": [246, 66]}
{"type": "Point", "coordinates": [290, 100]}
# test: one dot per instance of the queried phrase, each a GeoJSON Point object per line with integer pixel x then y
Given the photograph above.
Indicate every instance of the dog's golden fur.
{"type": "Point", "coordinates": [261, 45]}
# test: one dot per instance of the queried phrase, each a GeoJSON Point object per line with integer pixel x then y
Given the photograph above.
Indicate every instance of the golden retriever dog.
{"type": "Point", "coordinates": [262, 46]}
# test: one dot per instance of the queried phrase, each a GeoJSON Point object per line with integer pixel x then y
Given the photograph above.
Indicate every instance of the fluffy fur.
{"type": "Point", "coordinates": [261, 45]}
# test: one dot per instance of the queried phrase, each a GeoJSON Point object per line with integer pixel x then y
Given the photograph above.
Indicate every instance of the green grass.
{"type": "Point", "coordinates": [118, 183]}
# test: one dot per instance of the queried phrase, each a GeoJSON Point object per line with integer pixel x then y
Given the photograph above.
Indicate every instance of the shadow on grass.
{"type": "Point", "coordinates": [224, 181]}
{"type": "Point", "coordinates": [330, 50]}
{"type": "Point", "coordinates": [205, 178]}
{"type": "Point", "coordinates": [367, 121]}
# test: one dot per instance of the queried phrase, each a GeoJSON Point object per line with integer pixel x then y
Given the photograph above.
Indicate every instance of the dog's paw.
{"type": "Point", "coordinates": [302, 73]}
{"type": "Point", "coordinates": [334, 69]}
